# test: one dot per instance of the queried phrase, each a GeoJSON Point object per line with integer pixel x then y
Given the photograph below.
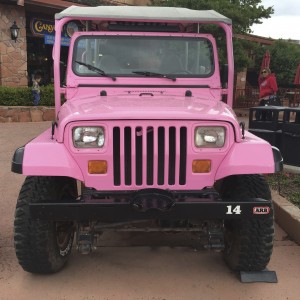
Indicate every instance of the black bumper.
{"type": "Point", "coordinates": [188, 209]}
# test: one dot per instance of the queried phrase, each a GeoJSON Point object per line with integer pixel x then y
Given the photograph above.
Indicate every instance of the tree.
{"type": "Point", "coordinates": [244, 13]}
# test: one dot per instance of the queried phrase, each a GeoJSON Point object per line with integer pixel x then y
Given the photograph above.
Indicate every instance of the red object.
{"type": "Point", "coordinates": [267, 86]}
{"type": "Point", "coordinates": [266, 61]}
{"type": "Point", "coordinates": [297, 77]}
{"type": "Point", "coordinates": [297, 84]}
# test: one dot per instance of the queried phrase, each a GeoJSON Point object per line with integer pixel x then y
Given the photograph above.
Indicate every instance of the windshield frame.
{"type": "Point", "coordinates": [79, 36]}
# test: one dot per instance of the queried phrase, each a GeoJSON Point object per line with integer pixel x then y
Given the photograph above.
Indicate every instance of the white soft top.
{"type": "Point", "coordinates": [142, 13]}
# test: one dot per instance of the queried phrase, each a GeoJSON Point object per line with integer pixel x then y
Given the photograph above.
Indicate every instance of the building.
{"type": "Point", "coordinates": [32, 51]}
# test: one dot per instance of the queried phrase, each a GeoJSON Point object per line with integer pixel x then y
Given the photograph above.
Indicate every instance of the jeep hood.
{"type": "Point", "coordinates": [145, 107]}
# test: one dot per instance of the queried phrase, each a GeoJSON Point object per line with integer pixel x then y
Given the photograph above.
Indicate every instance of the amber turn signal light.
{"type": "Point", "coordinates": [201, 166]}
{"type": "Point", "coordinates": [97, 166]}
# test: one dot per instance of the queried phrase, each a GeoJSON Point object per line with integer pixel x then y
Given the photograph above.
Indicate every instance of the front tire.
{"type": "Point", "coordinates": [248, 242]}
{"type": "Point", "coordinates": [43, 246]}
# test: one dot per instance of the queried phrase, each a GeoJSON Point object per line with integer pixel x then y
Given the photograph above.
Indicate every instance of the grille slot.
{"type": "Point", "coordinates": [116, 154]}
{"type": "Point", "coordinates": [149, 155]}
{"type": "Point", "coordinates": [183, 149]}
{"type": "Point", "coordinates": [127, 155]}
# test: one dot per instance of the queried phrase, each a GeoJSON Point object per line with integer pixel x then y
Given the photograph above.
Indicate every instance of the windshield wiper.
{"type": "Point", "coordinates": [153, 74]}
{"type": "Point", "coordinates": [95, 69]}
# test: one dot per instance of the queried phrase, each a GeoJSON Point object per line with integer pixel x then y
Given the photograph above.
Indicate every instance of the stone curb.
{"type": "Point", "coordinates": [9, 114]}
{"type": "Point", "coordinates": [287, 216]}
{"type": "Point", "coordinates": [291, 169]}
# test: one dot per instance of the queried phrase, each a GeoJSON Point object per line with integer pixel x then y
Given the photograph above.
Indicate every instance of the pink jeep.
{"type": "Point", "coordinates": [145, 134]}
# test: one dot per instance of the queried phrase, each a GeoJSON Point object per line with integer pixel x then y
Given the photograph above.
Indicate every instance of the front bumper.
{"type": "Point", "coordinates": [151, 204]}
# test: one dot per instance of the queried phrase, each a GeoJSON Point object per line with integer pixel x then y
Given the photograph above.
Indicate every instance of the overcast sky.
{"type": "Point", "coordinates": [284, 23]}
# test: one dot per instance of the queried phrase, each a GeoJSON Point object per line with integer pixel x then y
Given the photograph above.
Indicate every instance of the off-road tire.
{"type": "Point", "coordinates": [43, 246]}
{"type": "Point", "coordinates": [248, 242]}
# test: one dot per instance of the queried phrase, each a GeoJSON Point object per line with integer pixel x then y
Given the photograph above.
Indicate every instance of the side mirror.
{"type": "Point", "coordinates": [224, 75]}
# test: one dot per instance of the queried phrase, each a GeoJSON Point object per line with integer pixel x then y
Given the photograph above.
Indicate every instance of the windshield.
{"type": "Point", "coordinates": [140, 56]}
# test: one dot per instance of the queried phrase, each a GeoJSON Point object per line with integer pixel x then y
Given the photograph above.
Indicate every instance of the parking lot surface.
{"type": "Point", "coordinates": [147, 266]}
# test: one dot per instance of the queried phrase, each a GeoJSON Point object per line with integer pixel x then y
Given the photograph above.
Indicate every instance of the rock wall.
{"type": "Point", "coordinates": [26, 114]}
{"type": "Point", "coordinates": [13, 55]}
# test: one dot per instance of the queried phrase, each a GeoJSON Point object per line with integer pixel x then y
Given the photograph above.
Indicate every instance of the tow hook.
{"type": "Point", "coordinates": [86, 240]}
{"type": "Point", "coordinates": [146, 199]}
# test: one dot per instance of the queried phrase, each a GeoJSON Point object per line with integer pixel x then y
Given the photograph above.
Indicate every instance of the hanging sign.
{"type": "Point", "coordinates": [40, 27]}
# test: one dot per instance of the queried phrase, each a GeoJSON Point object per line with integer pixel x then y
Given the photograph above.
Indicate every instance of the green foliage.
{"type": "Point", "coordinates": [47, 96]}
{"type": "Point", "coordinates": [244, 13]}
{"type": "Point", "coordinates": [285, 57]}
{"type": "Point", "coordinates": [12, 96]}
{"type": "Point", "coordinates": [22, 96]}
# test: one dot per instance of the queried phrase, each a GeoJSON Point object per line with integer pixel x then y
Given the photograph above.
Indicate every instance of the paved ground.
{"type": "Point", "coordinates": [131, 267]}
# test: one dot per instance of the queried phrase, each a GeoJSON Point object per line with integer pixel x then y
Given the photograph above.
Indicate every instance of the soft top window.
{"type": "Point", "coordinates": [142, 55]}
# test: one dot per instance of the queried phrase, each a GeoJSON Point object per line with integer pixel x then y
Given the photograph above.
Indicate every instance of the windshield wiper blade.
{"type": "Point", "coordinates": [154, 74]}
{"type": "Point", "coordinates": [95, 69]}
